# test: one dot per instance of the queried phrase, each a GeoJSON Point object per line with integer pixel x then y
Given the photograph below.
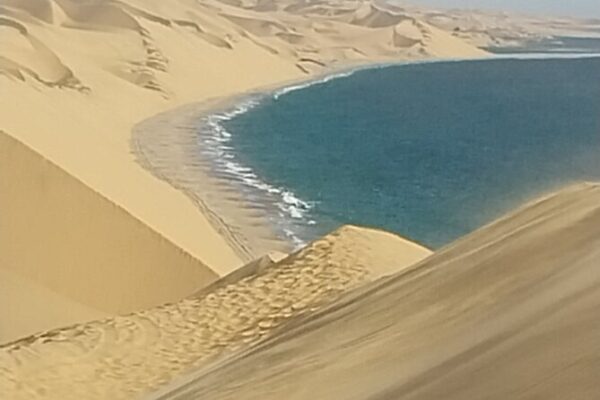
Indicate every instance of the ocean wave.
{"type": "Point", "coordinates": [217, 147]}
{"type": "Point", "coordinates": [293, 212]}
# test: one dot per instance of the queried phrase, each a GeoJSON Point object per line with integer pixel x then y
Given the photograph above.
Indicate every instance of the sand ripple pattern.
{"type": "Point", "coordinates": [124, 357]}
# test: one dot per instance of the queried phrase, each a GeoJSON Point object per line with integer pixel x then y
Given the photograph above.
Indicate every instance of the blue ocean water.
{"type": "Point", "coordinates": [431, 151]}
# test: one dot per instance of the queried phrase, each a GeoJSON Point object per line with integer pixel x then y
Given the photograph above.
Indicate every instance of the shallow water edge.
{"type": "Point", "coordinates": [189, 148]}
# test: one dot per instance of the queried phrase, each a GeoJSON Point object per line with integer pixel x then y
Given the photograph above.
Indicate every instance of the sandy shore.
{"type": "Point", "coordinates": [172, 146]}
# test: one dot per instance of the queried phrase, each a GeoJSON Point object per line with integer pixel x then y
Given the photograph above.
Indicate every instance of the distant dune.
{"type": "Point", "coordinates": [502, 28]}
{"type": "Point", "coordinates": [103, 260]}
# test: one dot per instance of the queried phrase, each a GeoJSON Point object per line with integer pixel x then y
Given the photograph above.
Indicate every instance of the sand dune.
{"type": "Point", "coordinates": [123, 357]}
{"type": "Point", "coordinates": [49, 215]}
{"type": "Point", "coordinates": [505, 312]}
{"type": "Point", "coordinates": [500, 28]}
{"type": "Point", "coordinates": [508, 312]}
{"type": "Point", "coordinates": [29, 56]}
{"type": "Point", "coordinates": [28, 307]}
{"type": "Point", "coordinates": [371, 16]}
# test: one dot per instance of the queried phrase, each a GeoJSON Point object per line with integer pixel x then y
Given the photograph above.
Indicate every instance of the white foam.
{"type": "Point", "coordinates": [217, 147]}
{"type": "Point", "coordinates": [298, 243]}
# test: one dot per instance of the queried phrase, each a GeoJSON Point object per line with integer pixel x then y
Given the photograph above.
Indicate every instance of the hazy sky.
{"type": "Point", "coordinates": [586, 8]}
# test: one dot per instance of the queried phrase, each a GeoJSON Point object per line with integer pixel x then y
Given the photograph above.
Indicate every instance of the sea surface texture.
{"type": "Point", "coordinates": [430, 151]}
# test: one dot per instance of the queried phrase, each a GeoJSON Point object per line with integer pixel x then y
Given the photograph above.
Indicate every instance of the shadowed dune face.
{"type": "Point", "coordinates": [123, 357]}
{"type": "Point", "coordinates": [509, 312]}
{"type": "Point", "coordinates": [24, 54]}
{"type": "Point", "coordinates": [97, 14]}
{"type": "Point", "coordinates": [107, 262]}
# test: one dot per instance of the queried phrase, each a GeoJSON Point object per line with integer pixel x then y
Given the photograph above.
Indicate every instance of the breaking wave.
{"type": "Point", "coordinates": [290, 211]}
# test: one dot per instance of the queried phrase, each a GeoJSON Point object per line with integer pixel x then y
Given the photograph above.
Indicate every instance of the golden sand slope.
{"type": "Point", "coordinates": [123, 357]}
{"type": "Point", "coordinates": [77, 76]}
{"type": "Point", "coordinates": [509, 312]}
{"type": "Point", "coordinates": [106, 261]}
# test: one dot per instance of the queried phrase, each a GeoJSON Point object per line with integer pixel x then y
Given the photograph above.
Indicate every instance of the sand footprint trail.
{"type": "Point", "coordinates": [507, 312]}
{"type": "Point", "coordinates": [125, 356]}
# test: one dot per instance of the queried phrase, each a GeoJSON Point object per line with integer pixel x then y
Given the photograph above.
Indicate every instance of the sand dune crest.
{"type": "Point", "coordinates": [506, 312]}
{"type": "Point", "coordinates": [373, 17]}
{"type": "Point", "coordinates": [126, 356]}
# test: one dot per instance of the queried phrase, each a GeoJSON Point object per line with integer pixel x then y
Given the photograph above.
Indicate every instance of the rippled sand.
{"type": "Point", "coordinates": [508, 312]}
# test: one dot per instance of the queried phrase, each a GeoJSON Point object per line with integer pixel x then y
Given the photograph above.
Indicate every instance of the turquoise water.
{"type": "Point", "coordinates": [431, 151]}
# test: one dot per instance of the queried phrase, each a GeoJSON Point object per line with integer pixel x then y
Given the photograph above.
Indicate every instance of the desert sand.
{"type": "Point", "coordinates": [508, 312]}
{"type": "Point", "coordinates": [505, 312]}
{"type": "Point", "coordinates": [48, 214]}
{"type": "Point", "coordinates": [124, 357]}
{"type": "Point", "coordinates": [76, 79]}
{"type": "Point", "coordinates": [127, 271]}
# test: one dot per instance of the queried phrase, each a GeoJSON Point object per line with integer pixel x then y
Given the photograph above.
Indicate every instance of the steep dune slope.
{"type": "Point", "coordinates": [508, 312]}
{"type": "Point", "coordinates": [106, 261]}
{"type": "Point", "coordinates": [123, 357]}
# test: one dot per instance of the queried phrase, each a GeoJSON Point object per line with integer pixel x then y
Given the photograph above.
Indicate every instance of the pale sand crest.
{"type": "Point", "coordinates": [77, 76]}
{"type": "Point", "coordinates": [124, 357]}
{"type": "Point", "coordinates": [508, 312]}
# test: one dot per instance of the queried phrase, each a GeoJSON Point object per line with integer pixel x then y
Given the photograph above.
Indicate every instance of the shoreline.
{"type": "Point", "coordinates": [246, 229]}
{"type": "Point", "coordinates": [184, 170]}
{"type": "Point", "coordinates": [168, 146]}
